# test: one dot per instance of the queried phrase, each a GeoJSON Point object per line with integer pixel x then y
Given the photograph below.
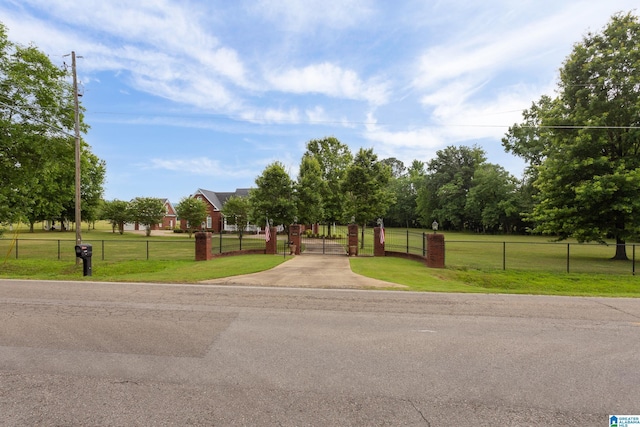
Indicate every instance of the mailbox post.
{"type": "Point", "coordinates": [84, 251]}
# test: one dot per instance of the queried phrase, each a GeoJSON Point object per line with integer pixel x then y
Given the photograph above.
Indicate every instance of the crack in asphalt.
{"type": "Point", "coordinates": [420, 412]}
{"type": "Point", "coordinates": [635, 316]}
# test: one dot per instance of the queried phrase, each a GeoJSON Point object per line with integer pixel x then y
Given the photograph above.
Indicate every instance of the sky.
{"type": "Point", "coordinates": [189, 94]}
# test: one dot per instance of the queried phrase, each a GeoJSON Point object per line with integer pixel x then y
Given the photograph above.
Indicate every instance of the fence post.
{"type": "Point", "coordinates": [203, 246]}
{"type": "Point", "coordinates": [424, 246]}
{"type": "Point", "coordinates": [633, 261]}
{"type": "Point", "coordinates": [353, 239]}
{"type": "Point", "coordinates": [17, 248]}
{"type": "Point", "coordinates": [58, 249]}
{"type": "Point", "coordinates": [504, 256]}
{"type": "Point", "coordinates": [378, 242]}
{"type": "Point", "coordinates": [147, 250]}
{"type": "Point", "coordinates": [220, 241]}
{"type": "Point", "coordinates": [407, 241]}
{"type": "Point", "coordinates": [435, 250]}
{"type": "Point", "coordinates": [568, 249]}
{"type": "Point", "coordinates": [103, 250]}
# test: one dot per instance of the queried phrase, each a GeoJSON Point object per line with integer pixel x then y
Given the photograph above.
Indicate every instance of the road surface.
{"type": "Point", "coordinates": [82, 353]}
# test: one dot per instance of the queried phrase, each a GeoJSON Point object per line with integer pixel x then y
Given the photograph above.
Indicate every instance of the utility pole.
{"type": "Point", "coordinates": [78, 218]}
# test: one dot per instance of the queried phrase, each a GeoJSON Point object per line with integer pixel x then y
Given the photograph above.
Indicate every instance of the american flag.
{"type": "Point", "coordinates": [267, 232]}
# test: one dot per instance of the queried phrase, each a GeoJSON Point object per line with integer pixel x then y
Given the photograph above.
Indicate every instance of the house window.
{"type": "Point", "coordinates": [208, 221]}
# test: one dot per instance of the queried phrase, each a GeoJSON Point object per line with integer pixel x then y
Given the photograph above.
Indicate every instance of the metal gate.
{"type": "Point", "coordinates": [324, 246]}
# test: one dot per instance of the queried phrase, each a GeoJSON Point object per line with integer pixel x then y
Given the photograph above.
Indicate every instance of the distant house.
{"type": "Point", "coordinates": [169, 220]}
{"type": "Point", "coordinates": [215, 200]}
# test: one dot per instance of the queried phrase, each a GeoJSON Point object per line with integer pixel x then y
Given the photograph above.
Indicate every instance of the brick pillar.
{"type": "Point", "coordinates": [353, 239]}
{"type": "Point", "coordinates": [203, 246]}
{"type": "Point", "coordinates": [378, 248]}
{"type": "Point", "coordinates": [271, 247]}
{"type": "Point", "coordinates": [294, 237]}
{"type": "Point", "coordinates": [435, 250]}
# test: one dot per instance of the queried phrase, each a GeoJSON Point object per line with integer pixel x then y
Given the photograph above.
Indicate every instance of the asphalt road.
{"type": "Point", "coordinates": [142, 354]}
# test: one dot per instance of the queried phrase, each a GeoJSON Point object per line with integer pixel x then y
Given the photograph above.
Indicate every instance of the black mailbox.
{"type": "Point", "coordinates": [84, 252]}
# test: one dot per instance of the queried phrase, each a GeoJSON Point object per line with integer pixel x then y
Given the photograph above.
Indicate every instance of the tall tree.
{"type": "Point", "coordinates": [310, 188]}
{"type": "Point", "coordinates": [589, 179]}
{"type": "Point", "coordinates": [365, 185]}
{"type": "Point", "coordinates": [443, 193]}
{"type": "Point", "coordinates": [273, 197]}
{"type": "Point", "coordinates": [117, 213]}
{"type": "Point", "coordinates": [236, 211]}
{"type": "Point", "coordinates": [147, 211]}
{"type": "Point", "coordinates": [193, 211]}
{"type": "Point", "coordinates": [334, 157]}
{"type": "Point", "coordinates": [404, 188]}
{"type": "Point", "coordinates": [492, 201]}
{"type": "Point", "coordinates": [36, 127]}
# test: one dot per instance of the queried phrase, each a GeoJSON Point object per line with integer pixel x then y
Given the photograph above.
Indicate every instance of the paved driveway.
{"type": "Point", "coordinates": [309, 271]}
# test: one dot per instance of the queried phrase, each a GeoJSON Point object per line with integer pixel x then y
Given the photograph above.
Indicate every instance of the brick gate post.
{"type": "Point", "coordinates": [203, 246]}
{"type": "Point", "coordinates": [435, 250]}
{"type": "Point", "coordinates": [353, 239]}
{"type": "Point", "coordinates": [294, 238]}
{"type": "Point", "coordinates": [271, 247]}
{"type": "Point", "coordinates": [378, 243]}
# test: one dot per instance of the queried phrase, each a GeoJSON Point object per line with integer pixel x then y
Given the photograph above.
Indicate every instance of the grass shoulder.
{"type": "Point", "coordinates": [417, 277]}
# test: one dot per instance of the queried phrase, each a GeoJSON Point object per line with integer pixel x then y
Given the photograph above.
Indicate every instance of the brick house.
{"type": "Point", "coordinates": [169, 220]}
{"type": "Point", "coordinates": [215, 201]}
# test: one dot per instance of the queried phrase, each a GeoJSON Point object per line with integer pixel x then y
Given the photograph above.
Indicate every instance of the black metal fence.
{"type": "Point", "coordinates": [125, 249]}
{"type": "Point", "coordinates": [489, 255]}
{"type": "Point", "coordinates": [519, 255]}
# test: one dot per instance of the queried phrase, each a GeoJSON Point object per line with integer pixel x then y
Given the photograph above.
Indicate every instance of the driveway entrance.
{"type": "Point", "coordinates": [323, 246]}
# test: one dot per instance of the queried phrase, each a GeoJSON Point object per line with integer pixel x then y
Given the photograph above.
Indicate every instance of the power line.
{"type": "Point", "coordinates": [31, 117]}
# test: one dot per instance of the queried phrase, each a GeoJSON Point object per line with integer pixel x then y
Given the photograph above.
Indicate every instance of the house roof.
{"type": "Point", "coordinates": [219, 198]}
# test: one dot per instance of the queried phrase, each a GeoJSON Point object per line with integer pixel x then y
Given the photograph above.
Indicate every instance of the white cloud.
{"type": "Point", "coordinates": [330, 80]}
{"type": "Point", "coordinates": [201, 166]}
{"type": "Point", "coordinates": [307, 15]}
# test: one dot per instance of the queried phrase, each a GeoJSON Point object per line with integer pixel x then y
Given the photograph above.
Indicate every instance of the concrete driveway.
{"type": "Point", "coordinates": [309, 271]}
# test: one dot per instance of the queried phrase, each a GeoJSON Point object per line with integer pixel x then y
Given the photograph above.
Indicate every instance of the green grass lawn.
{"type": "Point", "coordinates": [417, 277]}
{"type": "Point", "coordinates": [176, 271]}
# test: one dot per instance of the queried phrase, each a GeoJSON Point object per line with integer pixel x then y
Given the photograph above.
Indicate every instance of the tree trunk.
{"type": "Point", "coordinates": [621, 250]}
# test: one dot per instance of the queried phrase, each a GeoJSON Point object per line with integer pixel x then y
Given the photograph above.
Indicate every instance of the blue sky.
{"type": "Point", "coordinates": [188, 94]}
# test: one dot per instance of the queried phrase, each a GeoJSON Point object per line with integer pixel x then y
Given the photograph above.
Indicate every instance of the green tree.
{"type": "Point", "coordinates": [365, 185]}
{"type": "Point", "coordinates": [273, 197]}
{"type": "Point", "coordinates": [334, 157]}
{"type": "Point", "coordinates": [92, 175]}
{"type": "Point", "coordinates": [36, 128]}
{"type": "Point", "coordinates": [397, 167]}
{"type": "Point", "coordinates": [589, 178]}
{"type": "Point", "coordinates": [146, 211]}
{"type": "Point", "coordinates": [404, 187]}
{"type": "Point", "coordinates": [193, 211]}
{"type": "Point", "coordinates": [117, 213]}
{"type": "Point", "coordinates": [309, 190]}
{"type": "Point", "coordinates": [443, 193]}
{"type": "Point", "coordinates": [236, 211]}
{"type": "Point", "coordinates": [492, 201]}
